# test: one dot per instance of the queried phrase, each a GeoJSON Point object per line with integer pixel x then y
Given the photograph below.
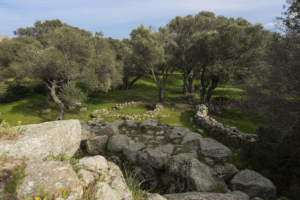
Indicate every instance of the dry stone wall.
{"type": "Point", "coordinates": [228, 135]}
{"type": "Point", "coordinates": [104, 113]}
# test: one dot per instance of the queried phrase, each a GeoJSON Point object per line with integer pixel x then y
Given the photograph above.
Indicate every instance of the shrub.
{"type": "Point", "coordinates": [14, 92]}
{"type": "Point", "coordinates": [40, 89]}
{"type": "Point", "coordinates": [18, 174]}
{"type": "Point", "coordinates": [219, 189]}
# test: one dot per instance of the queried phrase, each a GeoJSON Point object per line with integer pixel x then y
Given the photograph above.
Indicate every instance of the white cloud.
{"type": "Point", "coordinates": [270, 25]}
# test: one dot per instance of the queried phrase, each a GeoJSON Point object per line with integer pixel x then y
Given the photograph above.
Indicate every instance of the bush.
{"type": "Point", "coordinates": [40, 89]}
{"type": "Point", "coordinates": [279, 163]}
{"type": "Point", "coordinates": [14, 92]}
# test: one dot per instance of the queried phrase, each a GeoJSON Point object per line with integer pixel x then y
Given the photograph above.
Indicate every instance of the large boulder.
{"type": "Point", "coordinates": [199, 177]}
{"type": "Point", "coordinates": [142, 161]}
{"type": "Point", "coordinates": [178, 133]}
{"type": "Point", "coordinates": [112, 185]}
{"type": "Point", "coordinates": [119, 122]}
{"type": "Point", "coordinates": [254, 184]}
{"type": "Point", "coordinates": [40, 140]}
{"type": "Point", "coordinates": [117, 142]}
{"type": "Point", "coordinates": [189, 137]}
{"type": "Point", "coordinates": [215, 150]}
{"type": "Point", "coordinates": [154, 196]}
{"type": "Point", "coordinates": [50, 175]}
{"type": "Point", "coordinates": [149, 124]}
{"type": "Point", "coordinates": [132, 123]}
{"type": "Point", "coordinates": [226, 171]}
{"type": "Point", "coordinates": [86, 131]}
{"type": "Point", "coordinates": [177, 163]}
{"type": "Point", "coordinates": [130, 151]}
{"type": "Point", "coordinates": [157, 157]}
{"type": "Point", "coordinates": [96, 145]}
{"type": "Point", "coordinates": [111, 129]}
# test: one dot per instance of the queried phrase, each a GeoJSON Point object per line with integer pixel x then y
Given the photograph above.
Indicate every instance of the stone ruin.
{"type": "Point", "coordinates": [98, 115]}
{"type": "Point", "coordinates": [229, 135]}
{"type": "Point", "coordinates": [173, 161]}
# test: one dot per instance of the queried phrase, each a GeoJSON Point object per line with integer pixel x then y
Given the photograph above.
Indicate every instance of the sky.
{"type": "Point", "coordinates": [117, 18]}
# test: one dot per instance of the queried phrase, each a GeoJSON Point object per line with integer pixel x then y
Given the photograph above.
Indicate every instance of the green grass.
{"type": "Point", "coordinates": [143, 90]}
{"type": "Point", "coordinates": [242, 120]}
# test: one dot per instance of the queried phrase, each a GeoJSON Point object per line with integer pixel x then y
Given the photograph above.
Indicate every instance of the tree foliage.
{"type": "Point", "coordinates": [149, 52]}
{"type": "Point", "coordinates": [70, 54]}
{"type": "Point", "coordinates": [219, 53]}
{"type": "Point", "coordinates": [274, 90]}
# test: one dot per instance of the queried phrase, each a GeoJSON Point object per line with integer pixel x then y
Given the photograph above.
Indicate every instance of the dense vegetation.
{"type": "Point", "coordinates": [198, 54]}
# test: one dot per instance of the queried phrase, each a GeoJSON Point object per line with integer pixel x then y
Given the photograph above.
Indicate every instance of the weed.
{"type": "Point", "coordinates": [136, 191]}
{"type": "Point", "coordinates": [64, 157]}
{"type": "Point", "coordinates": [18, 174]}
{"type": "Point", "coordinates": [10, 133]}
{"type": "Point", "coordinates": [2, 157]}
{"type": "Point", "coordinates": [219, 189]}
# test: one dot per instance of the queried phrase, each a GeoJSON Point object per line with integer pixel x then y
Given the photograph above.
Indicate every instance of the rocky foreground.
{"type": "Point", "coordinates": [180, 164]}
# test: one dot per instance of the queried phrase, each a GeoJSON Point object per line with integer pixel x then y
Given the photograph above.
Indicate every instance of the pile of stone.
{"type": "Point", "coordinates": [129, 105]}
{"type": "Point", "coordinates": [172, 162]}
{"type": "Point", "coordinates": [96, 113]}
{"type": "Point", "coordinates": [104, 113]}
{"type": "Point", "coordinates": [229, 135]}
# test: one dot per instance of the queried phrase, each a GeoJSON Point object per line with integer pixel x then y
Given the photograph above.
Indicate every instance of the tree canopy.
{"type": "Point", "coordinates": [69, 55]}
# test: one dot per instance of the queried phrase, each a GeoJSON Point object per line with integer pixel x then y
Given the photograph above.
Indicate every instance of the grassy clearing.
{"type": "Point", "coordinates": [143, 90]}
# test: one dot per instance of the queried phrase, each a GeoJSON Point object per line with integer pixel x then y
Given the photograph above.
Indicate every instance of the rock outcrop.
{"type": "Point", "coordinates": [214, 150]}
{"type": "Point", "coordinates": [164, 156]}
{"type": "Point", "coordinates": [254, 184]}
{"type": "Point", "coordinates": [40, 140]}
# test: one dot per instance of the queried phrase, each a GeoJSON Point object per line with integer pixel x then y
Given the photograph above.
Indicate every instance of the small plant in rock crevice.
{"type": "Point", "coordinates": [10, 133]}
{"type": "Point", "coordinates": [64, 157]}
{"type": "Point", "coordinates": [2, 157]}
{"type": "Point", "coordinates": [219, 189]}
{"type": "Point", "coordinates": [18, 174]}
{"type": "Point", "coordinates": [136, 191]}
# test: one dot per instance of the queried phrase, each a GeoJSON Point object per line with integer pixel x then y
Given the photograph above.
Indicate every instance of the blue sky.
{"type": "Point", "coordinates": [116, 18]}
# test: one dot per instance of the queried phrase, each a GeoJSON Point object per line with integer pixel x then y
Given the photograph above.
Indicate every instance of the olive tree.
{"type": "Point", "coordinates": [148, 46]}
{"type": "Point", "coordinates": [70, 54]}
{"type": "Point", "coordinates": [37, 32]}
{"type": "Point", "coordinates": [183, 29]}
{"type": "Point", "coordinates": [220, 53]}
{"type": "Point", "coordinates": [128, 59]}
{"type": "Point", "coordinates": [9, 50]}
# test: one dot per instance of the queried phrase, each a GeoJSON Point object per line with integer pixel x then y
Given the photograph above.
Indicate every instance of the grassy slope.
{"type": "Point", "coordinates": [143, 90]}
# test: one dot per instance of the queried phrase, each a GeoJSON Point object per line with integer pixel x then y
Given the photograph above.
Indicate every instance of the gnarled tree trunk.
{"type": "Point", "coordinates": [161, 87]}
{"type": "Point", "coordinates": [204, 86]}
{"type": "Point", "coordinates": [186, 85]}
{"type": "Point", "coordinates": [56, 100]}
{"type": "Point", "coordinates": [213, 86]}
{"type": "Point", "coordinates": [133, 81]}
{"type": "Point", "coordinates": [161, 94]}
{"type": "Point", "coordinates": [47, 98]}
